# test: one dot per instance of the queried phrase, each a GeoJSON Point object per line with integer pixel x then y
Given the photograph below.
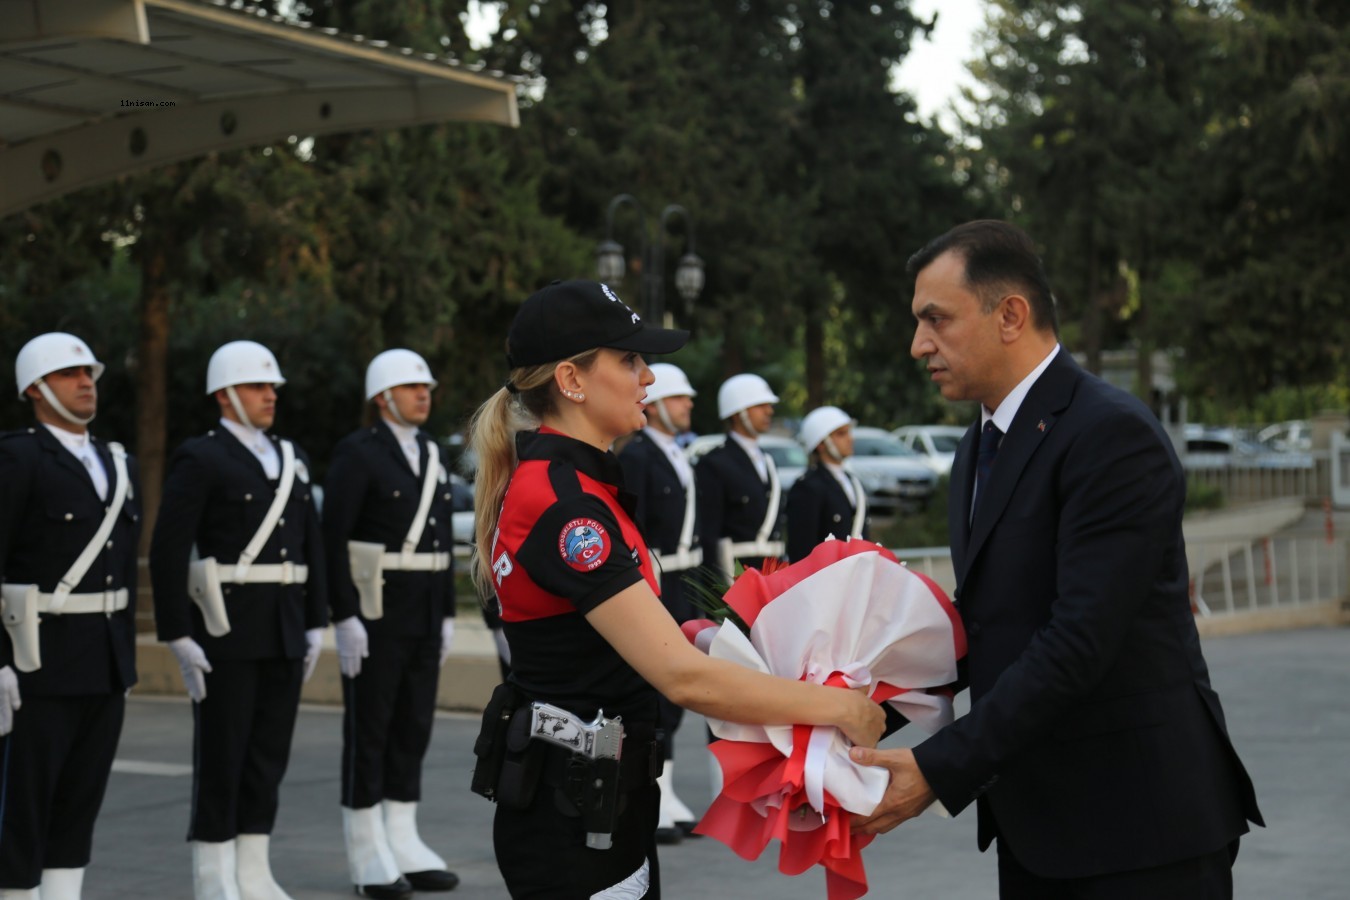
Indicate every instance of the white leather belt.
{"type": "Point", "coordinates": [105, 602]}
{"type": "Point", "coordinates": [265, 573]}
{"type": "Point", "coordinates": [678, 561]}
{"type": "Point", "coordinates": [415, 562]}
{"type": "Point", "coordinates": [756, 548]}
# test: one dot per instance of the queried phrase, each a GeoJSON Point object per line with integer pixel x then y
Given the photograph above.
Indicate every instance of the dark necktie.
{"type": "Point", "coordinates": [990, 437]}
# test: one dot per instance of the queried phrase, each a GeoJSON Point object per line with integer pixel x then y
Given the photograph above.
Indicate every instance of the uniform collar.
{"type": "Point", "coordinates": [248, 435]}
{"type": "Point", "coordinates": [71, 440]}
{"type": "Point", "coordinates": [551, 444]}
{"type": "Point", "coordinates": [404, 434]}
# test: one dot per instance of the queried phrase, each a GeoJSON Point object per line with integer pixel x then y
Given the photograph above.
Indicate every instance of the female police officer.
{"type": "Point", "coordinates": [578, 595]}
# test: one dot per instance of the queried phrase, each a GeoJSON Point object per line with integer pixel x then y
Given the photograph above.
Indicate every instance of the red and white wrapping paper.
{"type": "Point", "coordinates": [849, 614]}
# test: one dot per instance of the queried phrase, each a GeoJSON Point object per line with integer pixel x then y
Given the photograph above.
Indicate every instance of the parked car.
{"type": "Point", "coordinates": [1219, 448]}
{"type": "Point", "coordinates": [1295, 436]}
{"type": "Point", "coordinates": [895, 478]}
{"type": "Point", "coordinates": [788, 456]}
{"type": "Point", "coordinates": [935, 443]}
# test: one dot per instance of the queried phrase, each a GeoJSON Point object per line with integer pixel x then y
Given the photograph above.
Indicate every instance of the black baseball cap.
{"type": "Point", "coordinates": [570, 317]}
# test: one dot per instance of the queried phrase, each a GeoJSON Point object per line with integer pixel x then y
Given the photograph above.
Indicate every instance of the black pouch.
{"type": "Point", "coordinates": [490, 747]}
{"type": "Point", "coordinates": [522, 764]}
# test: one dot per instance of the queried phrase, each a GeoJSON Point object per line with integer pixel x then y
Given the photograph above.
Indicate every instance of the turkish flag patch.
{"type": "Point", "coordinates": [584, 544]}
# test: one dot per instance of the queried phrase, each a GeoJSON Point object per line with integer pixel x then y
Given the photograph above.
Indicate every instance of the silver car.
{"type": "Point", "coordinates": [895, 478]}
{"type": "Point", "coordinates": [935, 443]}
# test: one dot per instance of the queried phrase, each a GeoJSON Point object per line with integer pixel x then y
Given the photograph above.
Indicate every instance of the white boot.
{"type": "Point", "coordinates": [20, 894]}
{"type": "Point", "coordinates": [213, 871]}
{"type": "Point", "coordinates": [255, 871]}
{"type": "Point", "coordinates": [410, 854]}
{"type": "Point", "coordinates": [62, 884]}
{"type": "Point", "coordinates": [679, 813]}
{"type": "Point", "coordinates": [369, 859]}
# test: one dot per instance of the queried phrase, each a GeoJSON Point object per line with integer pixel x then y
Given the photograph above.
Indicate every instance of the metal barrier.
{"type": "Point", "coordinates": [1240, 575]}
{"type": "Point", "coordinates": [1254, 483]}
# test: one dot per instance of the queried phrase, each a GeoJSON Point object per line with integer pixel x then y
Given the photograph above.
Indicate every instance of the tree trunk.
{"type": "Point", "coordinates": [152, 380]}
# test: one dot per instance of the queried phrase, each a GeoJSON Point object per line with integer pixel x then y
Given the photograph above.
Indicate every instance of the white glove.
{"type": "Point", "coordinates": [447, 635]}
{"type": "Point", "coordinates": [352, 645]}
{"type": "Point", "coordinates": [192, 662]}
{"type": "Point", "coordinates": [313, 644]}
{"type": "Point", "coordinates": [9, 699]}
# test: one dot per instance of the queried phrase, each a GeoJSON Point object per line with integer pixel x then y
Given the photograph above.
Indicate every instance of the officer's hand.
{"type": "Point", "coordinates": [313, 644]}
{"type": "Point", "coordinates": [447, 635]}
{"type": "Point", "coordinates": [192, 662]}
{"type": "Point", "coordinates": [352, 645]}
{"type": "Point", "coordinates": [9, 699]}
{"type": "Point", "coordinates": [906, 796]}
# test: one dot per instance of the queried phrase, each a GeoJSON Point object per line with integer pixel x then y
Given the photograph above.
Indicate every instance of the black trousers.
{"type": "Point", "coordinates": [542, 854]}
{"type": "Point", "coordinates": [1208, 877]}
{"type": "Point", "coordinates": [386, 722]}
{"type": "Point", "coordinates": [54, 770]}
{"type": "Point", "coordinates": [241, 744]}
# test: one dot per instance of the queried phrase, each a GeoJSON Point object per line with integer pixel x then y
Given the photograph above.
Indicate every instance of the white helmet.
{"type": "Point", "coordinates": [819, 424]}
{"type": "Point", "coordinates": [740, 392]}
{"type": "Point", "coordinates": [670, 382]}
{"type": "Point", "coordinates": [394, 367]}
{"type": "Point", "coordinates": [242, 362]}
{"type": "Point", "coordinates": [52, 352]}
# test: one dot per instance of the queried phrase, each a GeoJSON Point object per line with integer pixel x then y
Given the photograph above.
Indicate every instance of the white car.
{"type": "Point", "coordinates": [895, 478]}
{"type": "Point", "coordinates": [935, 443]}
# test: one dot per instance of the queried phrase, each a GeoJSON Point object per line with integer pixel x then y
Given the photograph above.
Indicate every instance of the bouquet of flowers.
{"type": "Point", "coordinates": [848, 615]}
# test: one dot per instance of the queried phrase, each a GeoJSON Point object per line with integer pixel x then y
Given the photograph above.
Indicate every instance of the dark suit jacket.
{"type": "Point", "coordinates": [732, 500]}
{"type": "Point", "coordinates": [659, 512]}
{"type": "Point", "coordinates": [817, 507]}
{"type": "Point", "coordinates": [49, 511]}
{"type": "Point", "coordinates": [1094, 742]}
{"type": "Point", "coordinates": [215, 496]}
{"type": "Point", "coordinates": [371, 494]}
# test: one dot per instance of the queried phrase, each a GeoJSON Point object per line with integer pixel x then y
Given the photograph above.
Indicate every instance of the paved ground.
{"type": "Point", "coordinates": [1287, 695]}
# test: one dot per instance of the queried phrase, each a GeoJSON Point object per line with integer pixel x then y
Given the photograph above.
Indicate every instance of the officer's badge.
{"type": "Point", "coordinates": [583, 544]}
{"type": "Point", "coordinates": [302, 471]}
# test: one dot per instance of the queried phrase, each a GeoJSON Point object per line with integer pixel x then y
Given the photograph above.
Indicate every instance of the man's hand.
{"type": "Point", "coordinates": [192, 662]}
{"type": "Point", "coordinates": [447, 635]}
{"type": "Point", "coordinates": [9, 699]}
{"type": "Point", "coordinates": [313, 644]}
{"type": "Point", "coordinates": [353, 645]}
{"type": "Point", "coordinates": [906, 796]}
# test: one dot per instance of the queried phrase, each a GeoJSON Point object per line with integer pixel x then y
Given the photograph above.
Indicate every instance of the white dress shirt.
{"type": "Point", "coordinates": [755, 452]}
{"type": "Point", "coordinates": [845, 482]}
{"type": "Point", "coordinates": [406, 435]}
{"type": "Point", "coordinates": [673, 453]}
{"type": "Point", "coordinates": [256, 440]}
{"type": "Point", "coordinates": [79, 444]}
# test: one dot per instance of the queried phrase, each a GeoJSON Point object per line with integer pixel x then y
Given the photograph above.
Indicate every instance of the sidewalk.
{"type": "Point", "coordinates": [1285, 694]}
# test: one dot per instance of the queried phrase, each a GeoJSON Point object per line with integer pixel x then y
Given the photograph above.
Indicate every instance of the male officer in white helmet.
{"type": "Point", "coordinates": [69, 526]}
{"type": "Point", "coordinates": [828, 501]}
{"type": "Point", "coordinates": [738, 490]}
{"type": "Point", "coordinates": [388, 537]}
{"type": "Point", "coordinates": [237, 567]}
{"type": "Point", "coordinates": [656, 470]}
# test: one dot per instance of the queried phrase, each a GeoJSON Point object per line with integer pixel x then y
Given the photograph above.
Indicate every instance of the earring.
{"type": "Point", "coordinates": [574, 395]}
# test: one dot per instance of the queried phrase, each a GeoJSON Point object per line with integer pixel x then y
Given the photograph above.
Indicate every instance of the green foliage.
{"type": "Point", "coordinates": [1202, 497]}
{"type": "Point", "coordinates": [926, 528]}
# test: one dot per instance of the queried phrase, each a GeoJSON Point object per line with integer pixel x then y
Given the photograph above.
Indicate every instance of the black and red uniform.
{"type": "Point", "coordinates": [566, 543]}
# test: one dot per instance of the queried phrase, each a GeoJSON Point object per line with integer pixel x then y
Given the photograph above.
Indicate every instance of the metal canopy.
{"type": "Point", "coordinates": [94, 89]}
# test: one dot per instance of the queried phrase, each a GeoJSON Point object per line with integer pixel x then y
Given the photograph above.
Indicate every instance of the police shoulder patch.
{"type": "Point", "coordinates": [584, 544]}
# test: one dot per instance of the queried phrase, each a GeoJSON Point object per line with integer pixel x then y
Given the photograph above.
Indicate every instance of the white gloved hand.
{"type": "Point", "coordinates": [9, 699]}
{"type": "Point", "coordinates": [353, 645]}
{"type": "Point", "coordinates": [447, 635]}
{"type": "Point", "coordinates": [313, 644]}
{"type": "Point", "coordinates": [192, 662]}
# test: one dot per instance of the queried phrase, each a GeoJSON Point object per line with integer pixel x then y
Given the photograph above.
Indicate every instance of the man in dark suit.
{"type": "Point", "coordinates": [827, 501]}
{"type": "Point", "coordinates": [656, 471]}
{"type": "Point", "coordinates": [738, 491]}
{"type": "Point", "coordinates": [237, 521]}
{"type": "Point", "coordinates": [1095, 748]}
{"type": "Point", "coordinates": [387, 531]}
{"type": "Point", "coordinates": [69, 526]}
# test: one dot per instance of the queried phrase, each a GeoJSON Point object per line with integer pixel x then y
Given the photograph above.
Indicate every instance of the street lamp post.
{"type": "Point", "coordinates": [610, 262]}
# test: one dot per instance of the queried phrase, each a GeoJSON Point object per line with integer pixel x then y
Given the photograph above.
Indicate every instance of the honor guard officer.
{"type": "Point", "coordinates": [828, 501]}
{"type": "Point", "coordinates": [387, 531]}
{"type": "Point", "coordinates": [738, 489]}
{"type": "Point", "coordinates": [237, 567]}
{"type": "Point", "coordinates": [69, 527]}
{"type": "Point", "coordinates": [656, 471]}
{"type": "Point", "coordinates": [567, 747]}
